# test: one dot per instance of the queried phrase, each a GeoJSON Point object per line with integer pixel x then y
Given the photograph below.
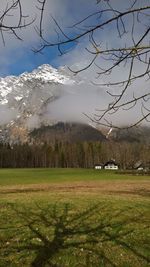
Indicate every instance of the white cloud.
{"type": "Point", "coordinates": [7, 114]}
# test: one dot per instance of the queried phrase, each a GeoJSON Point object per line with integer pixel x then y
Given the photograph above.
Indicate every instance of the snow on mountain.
{"type": "Point", "coordinates": [29, 92]}
{"type": "Point", "coordinates": [24, 98]}
{"type": "Point", "coordinates": [16, 86]}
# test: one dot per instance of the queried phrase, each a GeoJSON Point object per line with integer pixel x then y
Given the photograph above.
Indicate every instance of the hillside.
{"type": "Point", "coordinates": [66, 132]}
{"type": "Point", "coordinates": [135, 134]}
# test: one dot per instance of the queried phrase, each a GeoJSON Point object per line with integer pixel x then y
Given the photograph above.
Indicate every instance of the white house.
{"type": "Point", "coordinates": [111, 165]}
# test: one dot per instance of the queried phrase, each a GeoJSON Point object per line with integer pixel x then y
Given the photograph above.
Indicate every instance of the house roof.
{"type": "Point", "coordinates": [140, 164]}
{"type": "Point", "coordinates": [111, 162]}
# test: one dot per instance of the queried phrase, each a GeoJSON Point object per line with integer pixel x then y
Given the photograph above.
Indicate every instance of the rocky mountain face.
{"type": "Point", "coordinates": [23, 100]}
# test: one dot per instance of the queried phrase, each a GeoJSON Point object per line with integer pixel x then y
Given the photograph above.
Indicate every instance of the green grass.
{"type": "Point", "coordinates": [72, 229]}
{"type": "Point", "coordinates": [33, 176]}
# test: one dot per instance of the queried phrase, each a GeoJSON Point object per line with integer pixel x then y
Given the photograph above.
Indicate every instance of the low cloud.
{"type": "Point", "coordinates": [7, 114]}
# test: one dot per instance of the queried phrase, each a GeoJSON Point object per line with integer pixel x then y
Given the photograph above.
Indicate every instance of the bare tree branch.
{"type": "Point", "coordinates": [19, 24]}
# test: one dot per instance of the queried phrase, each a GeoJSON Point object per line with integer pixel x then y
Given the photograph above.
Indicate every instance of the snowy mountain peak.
{"type": "Point", "coordinates": [44, 74]}
{"type": "Point", "coordinates": [24, 98]}
{"type": "Point", "coordinates": [47, 73]}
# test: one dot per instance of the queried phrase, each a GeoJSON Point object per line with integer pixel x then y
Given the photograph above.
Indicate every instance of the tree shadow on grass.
{"type": "Point", "coordinates": [59, 235]}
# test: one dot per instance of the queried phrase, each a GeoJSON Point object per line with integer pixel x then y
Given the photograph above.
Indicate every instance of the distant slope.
{"type": "Point", "coordinates": [135, 134]}
{"type": "Point", "coordinates": [67, 132]}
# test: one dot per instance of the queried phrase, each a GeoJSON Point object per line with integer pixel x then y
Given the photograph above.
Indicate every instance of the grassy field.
{"type": "Point", "coordinates": [34, 176]}
{"type": "Point", "coordinates": [73, 217]}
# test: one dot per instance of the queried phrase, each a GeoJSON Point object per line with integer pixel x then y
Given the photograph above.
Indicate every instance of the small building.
{"type": "Point", "coordinates": [140, 166]}
{"type": "Point", "coordinates": [111, 165]}
{"type": "Point", "coordinates": [98, 166]}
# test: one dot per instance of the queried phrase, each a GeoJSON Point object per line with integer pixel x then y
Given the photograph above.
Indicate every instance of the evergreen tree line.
{"type": "Point", "coordinates": [76, 155]}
